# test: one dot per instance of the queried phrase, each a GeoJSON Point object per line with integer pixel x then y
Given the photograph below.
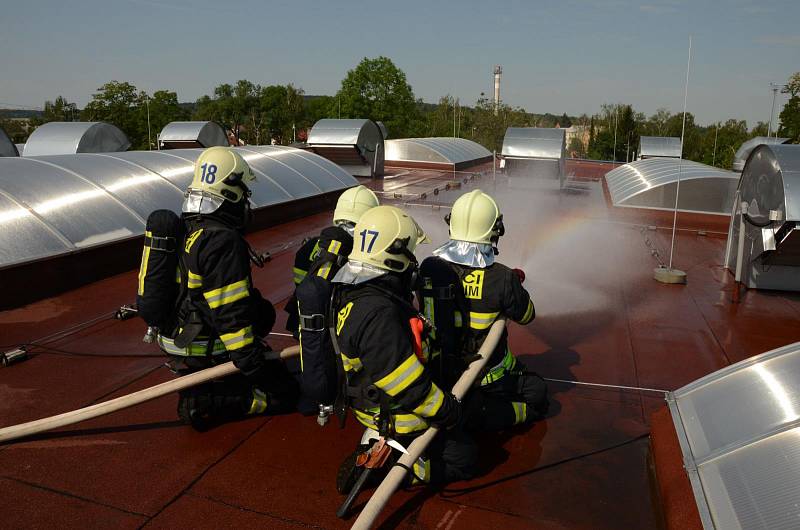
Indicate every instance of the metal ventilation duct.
{"type": "Point", "coordinates": [356, 145]}
{"type": "Point", "coordinates": [444, 153]}
{"type": "Point", "coordinates": [652, 184]}
{"type": "Point", "coordinates": [739, 431]}
{"type": "Point", "coordinates": [70, 137]}
{"type": "Point", "coordinates": [55, 205]}
{"type": "Point", "coordinates": [534, 151]}
{"type": "Point", "coordinates": [740, 158]}
{"type": "Point", "coordinates": [189, 134]}
{"type": "Point", "coordinates": [659, 146]}
{"type": "Point", "coordinates": [383, 129]}
{"type": "Point", "coordinates": [7, 147]}
{"type": "Point", "coordinates": [766, 241]}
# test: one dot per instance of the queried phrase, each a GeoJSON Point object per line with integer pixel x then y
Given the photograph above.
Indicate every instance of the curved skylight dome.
{"type": "Point", "coordinates": [445, 151]}
{"type": "Point", "coordinates": [58, 204]}
{"type": "Point", "coordinates": [652, 183]}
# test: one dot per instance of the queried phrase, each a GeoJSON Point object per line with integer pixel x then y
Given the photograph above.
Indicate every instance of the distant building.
{"type": "Point", "coordinates": [581, 132]}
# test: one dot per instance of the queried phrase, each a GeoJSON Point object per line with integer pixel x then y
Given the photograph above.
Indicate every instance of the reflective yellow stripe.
{"type": "Point", "coordinates": [422, 471]}
{"type": "Point", "coordinates": [237, 339]}
{"type": "Point", "coordinates": [299, 275]}
{"type": "Point", "coordinates": [520, 411]}
{"type": "Point", "coordinates": [324, 270]}
{"type": "Point", "coordinates": [178, 274]}
{"type": "Point", "coordinates": [457, 318]}
{"type": "Point", "coordinates": [334, 247]}
{"type": "Point", "coordinates": [402, 376]}
{"type": "Point", "coordinates": [259, 403]}
{"type": "Point", "coordinates": [408, 423]}
{"type": "Point", "coordinates": [143, 266]}
{"type": "Point", "coordinates": [528, 314]}
{"type": "Point", "coordinates": [366, 419]}
{"type": "Point", "coordinates": [403, 423]}
{"type": "Point", "coordinates": [191, 239]}
{"type": "Point", "coordinates": [432, 404]}
{"type": "Point", "coordinates": [227, 294]}
{"type": "Point", "coordinates": [427, 310]}
{"type": "Point", "coordinates": [351, 364]}
{"type": "Point", "coordinates": [195, 281]}
{"type": "Point", "coordinates": [481, 320]}
{"type": "Point", "coordinates": [500, 369]}
{"type": "Point", "coordinates": [194, 349]}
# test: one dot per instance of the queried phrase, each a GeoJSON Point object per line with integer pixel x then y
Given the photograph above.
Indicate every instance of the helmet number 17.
{"type": "Point", "coordinates": [209, 173]}
{"type": "Point", "coordinates": [364, 234]}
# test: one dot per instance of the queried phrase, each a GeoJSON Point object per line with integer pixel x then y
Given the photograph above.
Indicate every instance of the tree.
{"type": "Point", "coordinates": [235, 107]}
{"type": "Point", "coordinates": [490, 127]}
{"type": "Point", "coordinates": [790, 115]}
{"type": "Point", "coordinates": [163, 108]}
{"type": "Point", "coordinates": [376, 89]}
{"type": "Point", "coordinates": [119, 103]}
{"type": "Point", "coordinates": [761, 129]}
{"type": "Point", "coordinates": [729, 136]}
{"type": "Point", "coordinates": [58, 110]}
{"type": "Point", "coordinates": [318, 108]}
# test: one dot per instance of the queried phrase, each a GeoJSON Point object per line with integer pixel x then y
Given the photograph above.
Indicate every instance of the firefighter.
{"type": "Point", "coordinates": [387, 384]}
{"type": "Point", "coordinates": [220, 316]}
{"type": "Point", "coordinates": [484, 289]}
{"type": "Point", "coordinates": [316, 263]}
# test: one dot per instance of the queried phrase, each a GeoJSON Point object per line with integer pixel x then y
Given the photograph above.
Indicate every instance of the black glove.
{"type": "Point", "coordinates": [450, 415]}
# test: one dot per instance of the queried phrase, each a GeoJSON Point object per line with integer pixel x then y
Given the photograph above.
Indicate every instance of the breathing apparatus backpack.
{"type": "Point", "coordinates": [313, 295]}
{"type": "Point", "coordinates": [443, 303]}
{"type": "Point", "coordinates": [159, 273]}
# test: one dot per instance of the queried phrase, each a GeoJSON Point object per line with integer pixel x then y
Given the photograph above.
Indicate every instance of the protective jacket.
{"type": "Point", "coordinates": [489, 293]}
{"type": "Point", "coordinates": [220, 312]}
{"type": "Point", "coordinates": [382, 370]}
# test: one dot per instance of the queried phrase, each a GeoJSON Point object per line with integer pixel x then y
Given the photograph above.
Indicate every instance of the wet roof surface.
{"type": "Point", "coordinates": [600, 318]}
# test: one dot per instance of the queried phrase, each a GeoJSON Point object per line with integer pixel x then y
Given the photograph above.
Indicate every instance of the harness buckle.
{"type": "Point", "coordinates": [313, 322]}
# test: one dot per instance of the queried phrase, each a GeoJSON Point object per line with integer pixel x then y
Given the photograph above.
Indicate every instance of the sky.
{"type": "Point", "coordinates": [557, 56]}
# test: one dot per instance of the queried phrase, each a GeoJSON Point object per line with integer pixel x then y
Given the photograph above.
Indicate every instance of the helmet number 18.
{"type": "Point", "coordinates": [209, 173]}
{"type": "Point", "coordinates": [364, 234]}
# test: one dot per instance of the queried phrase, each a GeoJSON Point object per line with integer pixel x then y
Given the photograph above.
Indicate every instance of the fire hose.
{"type": "Point", "coordinates": [107, 407]}
{"type": "Point", "coordinates": [394, 479]}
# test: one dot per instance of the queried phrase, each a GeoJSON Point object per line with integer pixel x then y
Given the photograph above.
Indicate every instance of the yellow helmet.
{"type": "Point", "coordinates": [220, 174]}
{"type": "Point", "coordinates": [475, 218]}
{"type": "Point", "coordinates": [353, 203]}
{"type": "Point", "coordinates": [386, 237]}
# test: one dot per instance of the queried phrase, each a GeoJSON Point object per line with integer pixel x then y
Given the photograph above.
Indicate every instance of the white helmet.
{"type": "Point", "coordinates": [385, 237]}
{"type": "Point", "coordinates": [353, 203]}
{"type": "Point", "coordinates": [220, 174]}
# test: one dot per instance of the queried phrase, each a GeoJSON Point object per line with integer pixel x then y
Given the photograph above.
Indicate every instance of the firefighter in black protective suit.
{"type": "Point", "coordinates": [387, 383]}
{"type": "Point", "coordinates": [464, 290]}
{"type": "Point", "coordinates": [220, 316]}
{"type": "Point", "coordinates": [316, 263]}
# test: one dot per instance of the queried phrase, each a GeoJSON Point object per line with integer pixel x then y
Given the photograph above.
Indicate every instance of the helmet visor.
{"type": "Point", "coordinates": [197, 201]}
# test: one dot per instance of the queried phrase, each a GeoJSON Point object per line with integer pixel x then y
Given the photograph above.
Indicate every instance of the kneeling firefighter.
{"type": "Point", "coordinates": [216, 315]}
{"type": "Point", "coordinates": [463, 291]}
{"type": "Point", "coordinates": [316, 263]}
{"type": "Point", "coordinates": [375, 331]}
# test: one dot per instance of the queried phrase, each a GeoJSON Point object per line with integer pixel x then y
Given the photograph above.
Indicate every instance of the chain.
{"type": "Point", "coordinates": [652, 247]}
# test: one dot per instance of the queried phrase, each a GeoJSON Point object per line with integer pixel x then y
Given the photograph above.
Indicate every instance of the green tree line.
{"type": "Point", "coordinates": [377, 89]}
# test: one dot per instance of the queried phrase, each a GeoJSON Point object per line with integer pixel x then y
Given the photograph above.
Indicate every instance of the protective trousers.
{"type": "Point", "coordinates": [451, 456]}
{"type": "Point", "coordinates": [516, 398]}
